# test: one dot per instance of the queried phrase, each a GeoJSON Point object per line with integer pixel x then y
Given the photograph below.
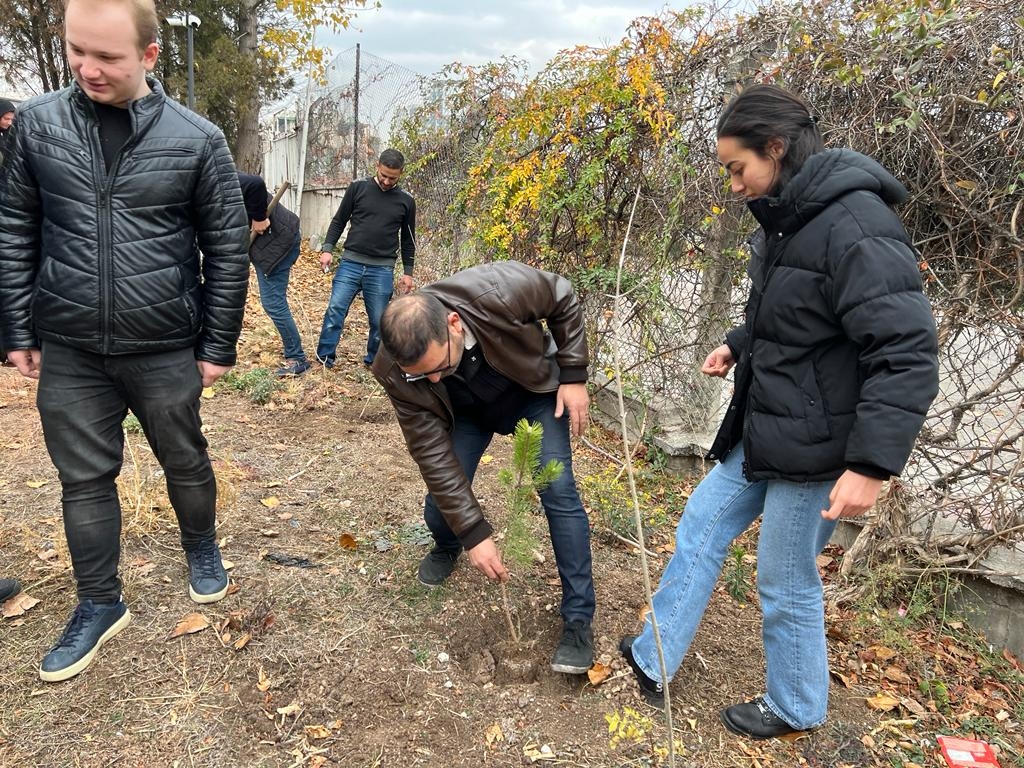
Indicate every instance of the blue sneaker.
{"type": "Point", "coordinates": [294, 368]}
{"type": "Point", "coordinates": [91, 625]}
{"type": "Point", "coordinates": [207, 579]}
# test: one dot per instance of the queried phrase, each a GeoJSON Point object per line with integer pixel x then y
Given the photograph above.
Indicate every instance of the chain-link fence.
{"type": "Point", "coordinates": [328, 134]}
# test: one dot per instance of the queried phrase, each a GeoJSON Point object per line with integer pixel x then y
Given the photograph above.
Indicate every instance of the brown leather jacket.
{"type": "Point", "coordinates": [503, 304]}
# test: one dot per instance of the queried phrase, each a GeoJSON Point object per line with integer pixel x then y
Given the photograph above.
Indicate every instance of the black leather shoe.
{"type": "Point", "coordinates": [652, 691]}
{"type": "Point", "coordinates": [8, 589]}
{"type": "Point", "coordinates": [755, 720]}
{"type": "Point", "coordinates": [437, 566]}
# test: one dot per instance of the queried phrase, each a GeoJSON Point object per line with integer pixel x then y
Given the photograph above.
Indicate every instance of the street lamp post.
{"type": "Point", "coordinates": [189, 22]}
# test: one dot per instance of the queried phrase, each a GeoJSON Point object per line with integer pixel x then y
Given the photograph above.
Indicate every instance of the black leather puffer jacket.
{"type": "Point", "coordinates": [836, 364]}
{"type": "Point", "coordinates": [152, 257]}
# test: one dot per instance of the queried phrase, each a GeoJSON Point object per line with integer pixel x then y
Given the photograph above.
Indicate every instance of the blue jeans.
{"type": "Point", "coordinates": [793, 532]}
{"type": "Point", "coordinates": [82, 399]}
{"type": "Point", "coordinates": [567, 521]}
{"type": "Point", "coordinates": [274, 298]}
{"type": "Point", "coordinates": [376, 285]}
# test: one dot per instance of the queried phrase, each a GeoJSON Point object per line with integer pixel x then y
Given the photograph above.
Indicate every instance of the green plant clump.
{"type": "Point", "coordinates": [259, 384]}
{"type": "Point", "coordinates": [131, 424]}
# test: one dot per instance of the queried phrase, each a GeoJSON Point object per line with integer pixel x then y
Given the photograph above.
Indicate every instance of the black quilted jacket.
{"type": "Point", "coordinates": [152, 257]}
{"type": "Point", "coordinates": [836, 364]}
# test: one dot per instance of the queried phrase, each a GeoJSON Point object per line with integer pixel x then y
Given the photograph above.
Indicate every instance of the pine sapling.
{"type": "Point", "coordinates": [522, 481]}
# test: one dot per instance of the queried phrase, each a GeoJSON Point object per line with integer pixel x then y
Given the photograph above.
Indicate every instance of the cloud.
{"type": "Point", "coordinates": [426, 40]}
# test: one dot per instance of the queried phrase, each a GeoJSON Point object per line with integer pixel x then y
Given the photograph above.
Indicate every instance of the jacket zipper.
{"type": "Point", "coordinates": [105, 240]}
{"type": "Point", "coordinates": [103, 237]}
{"type": "Point", "coordinates": [771, 262]}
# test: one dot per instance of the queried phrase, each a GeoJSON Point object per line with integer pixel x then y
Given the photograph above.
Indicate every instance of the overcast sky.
{"type": "Point", "coordinates": [426, 36]}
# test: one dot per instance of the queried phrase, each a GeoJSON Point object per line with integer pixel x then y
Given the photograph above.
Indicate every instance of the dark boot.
{"type": "Point", "coordinates": [575, 653]}
{"type": "Point", "coordinates": [652, 691]}
{"type": "Point", "coordinates": [437, 566]}
{"type": "Point", "coordinates": [8, 589]}
{"type": "Point", "coordinates": [755, 720]}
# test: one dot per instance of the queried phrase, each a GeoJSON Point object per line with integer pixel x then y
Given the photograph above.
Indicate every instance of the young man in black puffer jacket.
{"type": "Point", "coordinates": [123, 274]}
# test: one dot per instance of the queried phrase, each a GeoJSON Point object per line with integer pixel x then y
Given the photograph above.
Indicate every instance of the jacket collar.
{"type": "Point", "coordinates": [143, 110]}
{"type": "Point", "coordinates": [825, 177]}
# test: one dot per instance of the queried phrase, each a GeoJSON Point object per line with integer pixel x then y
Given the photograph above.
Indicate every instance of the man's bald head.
{"type": "Point", "coordinates": [409, 325]}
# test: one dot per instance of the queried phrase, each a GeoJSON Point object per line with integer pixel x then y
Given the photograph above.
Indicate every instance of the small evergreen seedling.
{"type": "Point", "coordinates": [522, 482]}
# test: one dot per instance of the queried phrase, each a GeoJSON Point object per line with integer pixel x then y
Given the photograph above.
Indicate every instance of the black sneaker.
{"type": "Point", "coordinates": [652, 691]}
{"type": "Point", "coordinates": [755, 720]}
{"type": "Point", "coordinates": [207, 579]}
{"type": "Point", "coordinates": [437, 566]}
{"type": "Point", "coordinates": [8, 589]}
{"type": "Point", "coordinates": [91, 625]}
{"type": "Point", "coordinates": [294, 368]}
{"type": "Point", "coordinates": [575, 653]}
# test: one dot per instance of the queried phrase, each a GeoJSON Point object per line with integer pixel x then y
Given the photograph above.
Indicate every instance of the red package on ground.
{"type": "Point", "coordinates": [967, 753]}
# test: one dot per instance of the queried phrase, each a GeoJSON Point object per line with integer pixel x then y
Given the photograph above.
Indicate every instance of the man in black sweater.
{"type": "Point", "coordinates": [383, 219]}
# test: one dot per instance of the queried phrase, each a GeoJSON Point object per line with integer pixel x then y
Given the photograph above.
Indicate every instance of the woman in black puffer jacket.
{"type": "Point", "coordinates": [836, 366]}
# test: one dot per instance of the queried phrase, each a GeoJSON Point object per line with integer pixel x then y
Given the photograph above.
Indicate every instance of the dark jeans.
{"type": "Point", "coordinates": [274, 298]}
{"type": "Point", "coordinates": [82, 399]}
{"type": "Point", "coordinates": [567, 521]}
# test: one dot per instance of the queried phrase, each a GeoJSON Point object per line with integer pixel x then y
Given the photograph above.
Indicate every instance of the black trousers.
{"type": "Point", "coordinates": [83, 398]}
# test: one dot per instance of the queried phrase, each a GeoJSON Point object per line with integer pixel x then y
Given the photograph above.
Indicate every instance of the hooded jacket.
{"type": "Point", "coordinates": [503, 304]}
{"type": "Point", "coordinates": [836, 364]}
{"type": "Point", "coordinates": [150, 257]}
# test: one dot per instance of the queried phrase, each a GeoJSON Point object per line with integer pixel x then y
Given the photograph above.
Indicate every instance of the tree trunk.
{"type": "Point", "coordinates": [248, 153]}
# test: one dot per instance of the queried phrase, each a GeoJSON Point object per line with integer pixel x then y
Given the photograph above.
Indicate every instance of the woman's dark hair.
{"type": "Point", "coordinates": [761, 113]}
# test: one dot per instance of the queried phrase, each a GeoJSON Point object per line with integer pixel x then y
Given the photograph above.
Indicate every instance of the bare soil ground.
{"type": "Point", "coordinates": [347, 662]}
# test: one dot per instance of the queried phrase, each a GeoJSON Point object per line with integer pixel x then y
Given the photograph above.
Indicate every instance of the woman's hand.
{"type": "Point", "coordinates": [718, 362]}
{"type": "Point", "coordinates": [852, 495]}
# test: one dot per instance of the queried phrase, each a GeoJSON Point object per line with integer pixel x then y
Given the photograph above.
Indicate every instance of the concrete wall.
{"type": "Point", "coordinates": [995, 609]}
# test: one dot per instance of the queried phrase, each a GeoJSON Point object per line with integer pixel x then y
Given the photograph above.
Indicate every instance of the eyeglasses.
{"type": "Point", "coordinates": [446, 367]}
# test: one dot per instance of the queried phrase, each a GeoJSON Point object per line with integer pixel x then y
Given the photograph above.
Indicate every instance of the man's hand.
{"type": "Point", "coordinates": [325, 260]}
{"type": "Point", "coordinates": [26, 361]}
{"type": "Point", "coordinates": [486, 558]}
{"type": "Point", "coordinates": [574, 399]}
{"type": "Point", "coordinates": [259, 227]}
{"type": "Point", "coordinates": [210, 372]}
{"type": "Point", "coordinates": [718, 362]}
{"type": "Point", "coordinates": [405, 284]}
{"type": "Point", "coordinates": [852, 495]}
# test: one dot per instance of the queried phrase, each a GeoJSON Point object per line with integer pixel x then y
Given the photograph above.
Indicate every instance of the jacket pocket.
{"type": "Point", "coordinates": [816, 415]}
{"type": "Point", "coordinates": [65, 144]}
{"type": "Point", "coordinates": [190, 299]}
{"type": "Point", "coordinates": [165, 152]}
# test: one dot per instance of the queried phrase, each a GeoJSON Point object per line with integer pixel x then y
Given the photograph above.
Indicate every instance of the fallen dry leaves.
{"type": "Point", "coordinates": [189, 624]}
{"type": "Point", "coordinates": [18, 604]}
{"type": "Point", "coordinates": [598, 673]}
{"type": "Point", "coordinates": [928, 679]}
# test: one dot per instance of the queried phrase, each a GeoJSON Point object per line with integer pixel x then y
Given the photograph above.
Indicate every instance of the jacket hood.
{"type": "Point", "coordinates": [825, 177]}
